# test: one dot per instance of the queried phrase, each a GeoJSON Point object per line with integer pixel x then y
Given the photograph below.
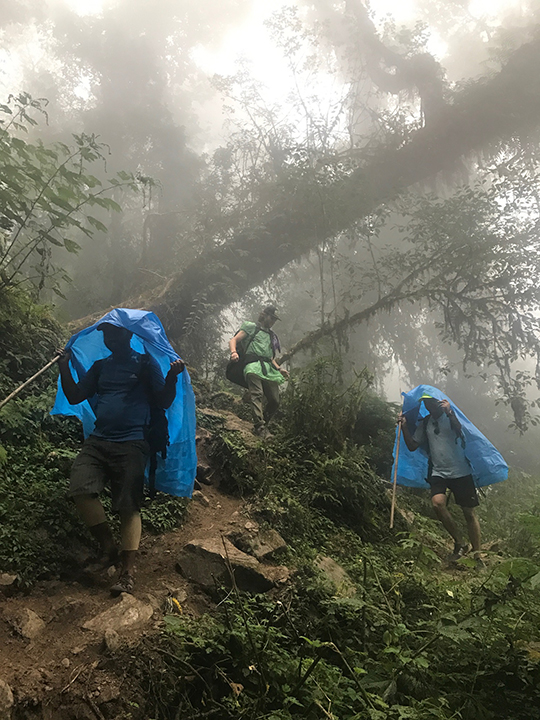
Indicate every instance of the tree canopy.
{"type": "Point", "coordinates": [397, 184]}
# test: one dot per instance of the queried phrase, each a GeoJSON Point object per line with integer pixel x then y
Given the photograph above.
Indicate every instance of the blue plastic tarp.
{"type": "Point", "coordinates": [487, 464]}
{"type": "Point", "coordinates": [176, 474]}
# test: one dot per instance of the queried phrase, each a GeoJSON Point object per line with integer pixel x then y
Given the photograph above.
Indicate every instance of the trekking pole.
{"type": "Point", "coordinates": [27, 382]}
{"type": "Point", "coordinates": [395, 480]}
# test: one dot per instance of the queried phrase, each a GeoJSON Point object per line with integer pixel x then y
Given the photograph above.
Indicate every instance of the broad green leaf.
{"type": "Point", "coordinates": [71, 246]}
{"type": "Point", "coordinates": [97, 224]}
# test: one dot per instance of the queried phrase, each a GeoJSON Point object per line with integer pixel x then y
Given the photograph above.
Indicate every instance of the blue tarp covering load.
{"type": "Point", "coordinates": [487, 464]}
{"type": "Point", "coordinates": [176, 474]}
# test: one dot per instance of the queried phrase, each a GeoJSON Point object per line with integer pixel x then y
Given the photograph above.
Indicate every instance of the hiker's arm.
{"type": "Point", "coordinates": [454, 422]}
{"type": "Point", "coordinates": [75, 392]}
{"type": "Point", "coordinates": [284, 372]}
{"type": "Point", "coordinates": [166, 394]}
{"type": "Point", "coordinates": [240, 335]}
{"type": "Point", "coordinates": [410, 442]}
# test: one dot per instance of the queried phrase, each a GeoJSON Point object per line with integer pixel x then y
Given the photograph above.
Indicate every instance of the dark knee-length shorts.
{"type": "Point", "coordinates": [463, 489]}
{"type": "Point", "coordinates": [118, 464]}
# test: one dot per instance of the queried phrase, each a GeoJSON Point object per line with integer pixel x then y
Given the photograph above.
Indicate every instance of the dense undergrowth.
{"type": "Point", "coordinates": [414, 639]}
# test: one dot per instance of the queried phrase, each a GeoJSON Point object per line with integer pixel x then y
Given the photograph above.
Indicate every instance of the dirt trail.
{"type": "Point", "coordinates": [57, 650]}
{"type": "Point", "coordinates": [63, 645]}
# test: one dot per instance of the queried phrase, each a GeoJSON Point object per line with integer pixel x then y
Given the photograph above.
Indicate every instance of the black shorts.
{"type": "Point", "coordinates": [463, 488]}
{"type": "Point", "coordinates": [121, 464]}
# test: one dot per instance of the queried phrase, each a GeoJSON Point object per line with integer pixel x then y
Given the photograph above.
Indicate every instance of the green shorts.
{"type": "Point", "coordinates": [121, 465]}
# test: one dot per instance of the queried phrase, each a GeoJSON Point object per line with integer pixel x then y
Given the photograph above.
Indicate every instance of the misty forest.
{"type": "Point", "coordinates": [366, 174]}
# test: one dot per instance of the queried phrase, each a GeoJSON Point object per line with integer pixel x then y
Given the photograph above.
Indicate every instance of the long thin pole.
{"type": "Point", "coordinates": [395, 480]}
{"type": "Point", "coordinates": [27, 382]}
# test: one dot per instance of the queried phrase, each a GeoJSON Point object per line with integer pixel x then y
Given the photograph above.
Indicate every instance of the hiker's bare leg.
{"type": "Point", "coordinates": [93, 515]}
{"type": "Point", "coordinates": [130, 531]}
{"type": "Point", "coordinates": [130, 534]}
{"type": "Point", "coordinates": [127, 558]}
{"type": "Point", "coordinates": [473, 528]}
{"type": "Point", "coordinates": [439, 505]}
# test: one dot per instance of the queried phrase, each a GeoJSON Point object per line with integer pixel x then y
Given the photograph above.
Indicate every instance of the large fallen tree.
{"type": "Point", "coordinates": [486, 112]}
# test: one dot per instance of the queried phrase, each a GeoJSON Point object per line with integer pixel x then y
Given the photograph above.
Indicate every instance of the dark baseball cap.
{"type": "Point", "coordinates": [118, 328]}
{"type": "Point", "coordinates": [271, 310]}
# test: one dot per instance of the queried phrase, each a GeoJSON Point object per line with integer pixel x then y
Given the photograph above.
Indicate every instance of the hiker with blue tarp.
{"type": "Point", "coordinates": [135, 400]}
{"type": "Point", "coordinates": [453, 456]}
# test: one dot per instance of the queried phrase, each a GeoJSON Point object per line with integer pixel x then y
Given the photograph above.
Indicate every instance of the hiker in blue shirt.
{"type": "Point", "coordinates": [439, 433]}
{"type": "Point", "coordinates": [262, 373]}
{"type": "Point", "coordinates": [121, 388]}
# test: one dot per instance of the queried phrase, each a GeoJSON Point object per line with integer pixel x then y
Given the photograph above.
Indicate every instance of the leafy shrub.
{"type": "Point", "coordinates": [39, 527]}
{"type": "Point", "coordinates": [374, 430]}
{"type": "Point", "coordinates": [29, 336]}
{"type": "Point", "coordinates": [164, 513]}
{"type": "Point", "coordinates": [377, 655]}
{"type": "Point", "coordinates": [516, 531]}
{"type": "Point", "coordinates": [318, 410]}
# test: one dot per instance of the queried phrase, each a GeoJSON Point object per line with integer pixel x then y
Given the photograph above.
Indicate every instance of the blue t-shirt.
{"type": "Point", "coordinates": [119, 389]}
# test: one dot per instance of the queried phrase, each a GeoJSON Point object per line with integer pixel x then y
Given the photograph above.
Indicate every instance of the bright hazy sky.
{"type": "Point", "coordinates": [250, 39]}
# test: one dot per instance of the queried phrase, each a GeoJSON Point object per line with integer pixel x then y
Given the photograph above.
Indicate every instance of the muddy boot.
{"type": "Point", "coordinates": [124, 584]}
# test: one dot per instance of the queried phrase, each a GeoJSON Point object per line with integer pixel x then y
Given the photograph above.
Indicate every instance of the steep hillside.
{"type": "Point", "coordinates": [278, 592]}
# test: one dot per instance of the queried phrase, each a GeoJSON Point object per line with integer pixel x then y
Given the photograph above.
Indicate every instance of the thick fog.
{"type": "Point", "coordinates": [271, 131]}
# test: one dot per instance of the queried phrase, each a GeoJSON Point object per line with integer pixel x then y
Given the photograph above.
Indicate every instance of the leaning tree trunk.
{"type": "Point", "coordinates": [488, 111]}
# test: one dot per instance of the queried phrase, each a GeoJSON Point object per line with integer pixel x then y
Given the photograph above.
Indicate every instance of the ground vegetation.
{"type": "Point", "coordinates": [405, 636]}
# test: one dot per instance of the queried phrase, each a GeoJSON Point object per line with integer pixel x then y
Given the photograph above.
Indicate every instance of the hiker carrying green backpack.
{"type": "Point", "coordinates": [253, 365]}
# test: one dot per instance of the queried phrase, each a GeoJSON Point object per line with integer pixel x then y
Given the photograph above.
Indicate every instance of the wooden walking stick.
{"type": "Point", "coordinates": [395, 480]}
{"type": "Point", "coordinates": [27, 382]}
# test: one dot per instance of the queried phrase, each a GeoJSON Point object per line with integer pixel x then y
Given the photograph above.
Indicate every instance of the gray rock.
{"type": "Point", "coordinates": [206, 562]}
{"type": "Point", "coordinates": [35, 677]}
{"type": "Point", "coordinates": [8, 584]}
{"type": "Point", "coordinates": [111, 640]}
{"type": "Point", "coordinates": [263, 544]}
{"type": "Point", "coordinates": [202, 435]}
{"type": "Point", "coordinates": [200, 498]}
{"type": "Point", "coordinates": [109, 693]}
{"type": "Point", "coordinates": [6, 701]}
{"type": "Point", "coordinates": [204, 473]}
{"type": "Point", "coordinates": [126, 613]}
{"type": "Point", "coordinates": [67, 610]}
{"type": "Point", "coordinates": [27, 623]}
{"type": "Point", "coordinates": [174, 590]}
{"type": "Point", "coordinates": [6, 579]}
{"type": "Point", "coordinates": [336, 575]}
{"type": "Point", "coordinates": [152, 599]}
